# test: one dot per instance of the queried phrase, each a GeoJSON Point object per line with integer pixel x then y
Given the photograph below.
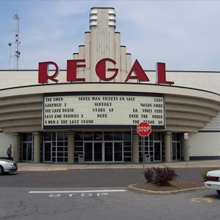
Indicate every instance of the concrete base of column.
{"type": "Point", "coordinates": [135, 150]}
{"type": "Point", "coordinates": [168, 147]}
{"type": "Point", "coordinates": [16, 147]}
{"type": "Point", "coordinates": [36, 147]}
{"type": "Point", "coordinates": [71, 146]}
{"type": "Point", "coordinates": [186, 149]}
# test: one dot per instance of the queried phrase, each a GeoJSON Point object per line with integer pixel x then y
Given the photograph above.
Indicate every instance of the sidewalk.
{"type": "Point", "coordinates": [64, 167]}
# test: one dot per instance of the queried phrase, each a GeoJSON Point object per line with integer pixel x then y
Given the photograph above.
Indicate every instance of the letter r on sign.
{"type": "Point", "coordinates": [43, 72]}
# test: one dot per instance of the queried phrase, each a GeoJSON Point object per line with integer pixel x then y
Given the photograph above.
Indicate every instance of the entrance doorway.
{"type": "Point", "coordinates": [27, 152]}
{"type": "Point", "coordinates": [27, 147]}
{"type": "Point", "coordinates": [176, 147]}
{"type": "Point", "coordinates": [103, 151]}
{"type": "Point", "coordinates": [157, 151]}
{"type": "Point", "coordinates": [47, 152]}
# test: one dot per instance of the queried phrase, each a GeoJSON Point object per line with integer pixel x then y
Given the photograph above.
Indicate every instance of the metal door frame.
{"type": "Point", "coordinates": [103, 151]}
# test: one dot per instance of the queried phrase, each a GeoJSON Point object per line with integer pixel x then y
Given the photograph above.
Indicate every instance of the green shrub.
{"type": "Point", "coordinates": [164, 175]}
{"type": "Point", "coordinates": [204, 175]}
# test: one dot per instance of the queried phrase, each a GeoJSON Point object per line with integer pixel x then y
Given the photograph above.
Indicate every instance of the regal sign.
{"type": "Point", "coordinates": [136, 71]}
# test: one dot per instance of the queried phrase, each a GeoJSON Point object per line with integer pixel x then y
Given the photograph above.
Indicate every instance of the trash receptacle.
{"type": "Point", "coordinates": [80, 158]}
{"type": "Point", "coordinates": [147, 158]}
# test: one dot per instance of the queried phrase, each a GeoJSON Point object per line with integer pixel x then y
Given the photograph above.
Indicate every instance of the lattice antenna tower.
{"type": "Point", "coordinates": [16, 43]}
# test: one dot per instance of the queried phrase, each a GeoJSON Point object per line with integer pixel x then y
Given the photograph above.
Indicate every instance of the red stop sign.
{"type": "Point", "coordinates": [143, 129]}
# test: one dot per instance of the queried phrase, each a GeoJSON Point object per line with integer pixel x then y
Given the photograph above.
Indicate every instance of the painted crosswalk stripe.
{"type": "Point", "coordinates": [80, 191]}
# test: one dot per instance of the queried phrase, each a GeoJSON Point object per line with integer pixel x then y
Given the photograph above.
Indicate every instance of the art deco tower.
{"type": "Point", "coordinates": [103, 42]}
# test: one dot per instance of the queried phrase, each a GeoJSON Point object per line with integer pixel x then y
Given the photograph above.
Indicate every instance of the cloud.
{"type": "Point", "coordinates": [183, 34]}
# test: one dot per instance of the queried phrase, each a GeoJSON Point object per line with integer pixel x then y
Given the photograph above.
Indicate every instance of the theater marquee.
{"type": "Point", "coordinates": [74, 111]}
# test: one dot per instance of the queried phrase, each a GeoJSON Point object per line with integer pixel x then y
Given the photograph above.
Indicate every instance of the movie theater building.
{"type": "Point", "coordinates": [89, 112]}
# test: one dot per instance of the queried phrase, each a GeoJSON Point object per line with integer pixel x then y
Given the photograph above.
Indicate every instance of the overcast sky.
{"type": "Point", "coordinates": [183, 34]}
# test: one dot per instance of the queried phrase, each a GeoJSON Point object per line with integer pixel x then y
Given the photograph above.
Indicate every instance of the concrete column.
{"type": "Point", "coordinates": [16, 147]}
{"type": "Point", "coordinates": [186, 149]}
{"type": "Point", "coordinates": [36, 147]}
{"type": "Point", "coordinates": [135, 150]}
{"type": "Point", "coordinates": [71, 138]}
{"type": "Point", "coordinates": [168, 146]}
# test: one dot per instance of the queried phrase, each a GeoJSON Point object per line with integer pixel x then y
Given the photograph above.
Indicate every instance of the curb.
{"type": "Point", "coordinates": [144, 191]}
{"type": "Point", "coordinates": [42, 170]}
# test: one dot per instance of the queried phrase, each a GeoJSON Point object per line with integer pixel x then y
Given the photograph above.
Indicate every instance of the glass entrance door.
{"type": "Point", "coordinates": [93, 152]}
{"type": "Point", "coordinates": [88, 149]}
{"type": "Point", "coordinates": [27, 152]}
{"type": "Point", "coordinates": [118, 151]}
{"type": "Point", "coordinates": [157, 151]}
{"type": "Point", "coordinates": [176, 151]}
{"type": "Point", "coordinates": [108, 151]}
{"type": "Point", "coordinates": [103, 151]}
{"type": "Point", "coordinates": [113, 152]}
{"type": "Point", "coordinates": [97, 152]}
{"type": "Point", "coordinates": [47, 152]}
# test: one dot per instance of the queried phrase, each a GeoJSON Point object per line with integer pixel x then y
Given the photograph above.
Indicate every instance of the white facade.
{"type": "Point", "coordinates": [191, 104]}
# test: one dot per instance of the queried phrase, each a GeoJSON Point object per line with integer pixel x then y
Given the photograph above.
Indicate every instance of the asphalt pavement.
{"type": "Point", "coordinates": [102, 175]}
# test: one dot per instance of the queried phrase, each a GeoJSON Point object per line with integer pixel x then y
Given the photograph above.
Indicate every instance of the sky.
{"type": "Point", "coordinates": [184, 34]}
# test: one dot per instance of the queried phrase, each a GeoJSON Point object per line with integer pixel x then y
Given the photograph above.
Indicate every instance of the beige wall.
{"type": "Point", "coordinates": [204, 144]}
{"type": "Point", "coordinates": [207, 81]}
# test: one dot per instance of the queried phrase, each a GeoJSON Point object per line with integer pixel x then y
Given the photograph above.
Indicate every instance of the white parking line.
{"type": "Point", "coordinates": [80, 191]}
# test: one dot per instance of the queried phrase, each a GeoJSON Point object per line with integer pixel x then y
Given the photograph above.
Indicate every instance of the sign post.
{"type": "Point", "coordinates": [186, 137]}
{"type": "Point", "coordinates": [143, 129]}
